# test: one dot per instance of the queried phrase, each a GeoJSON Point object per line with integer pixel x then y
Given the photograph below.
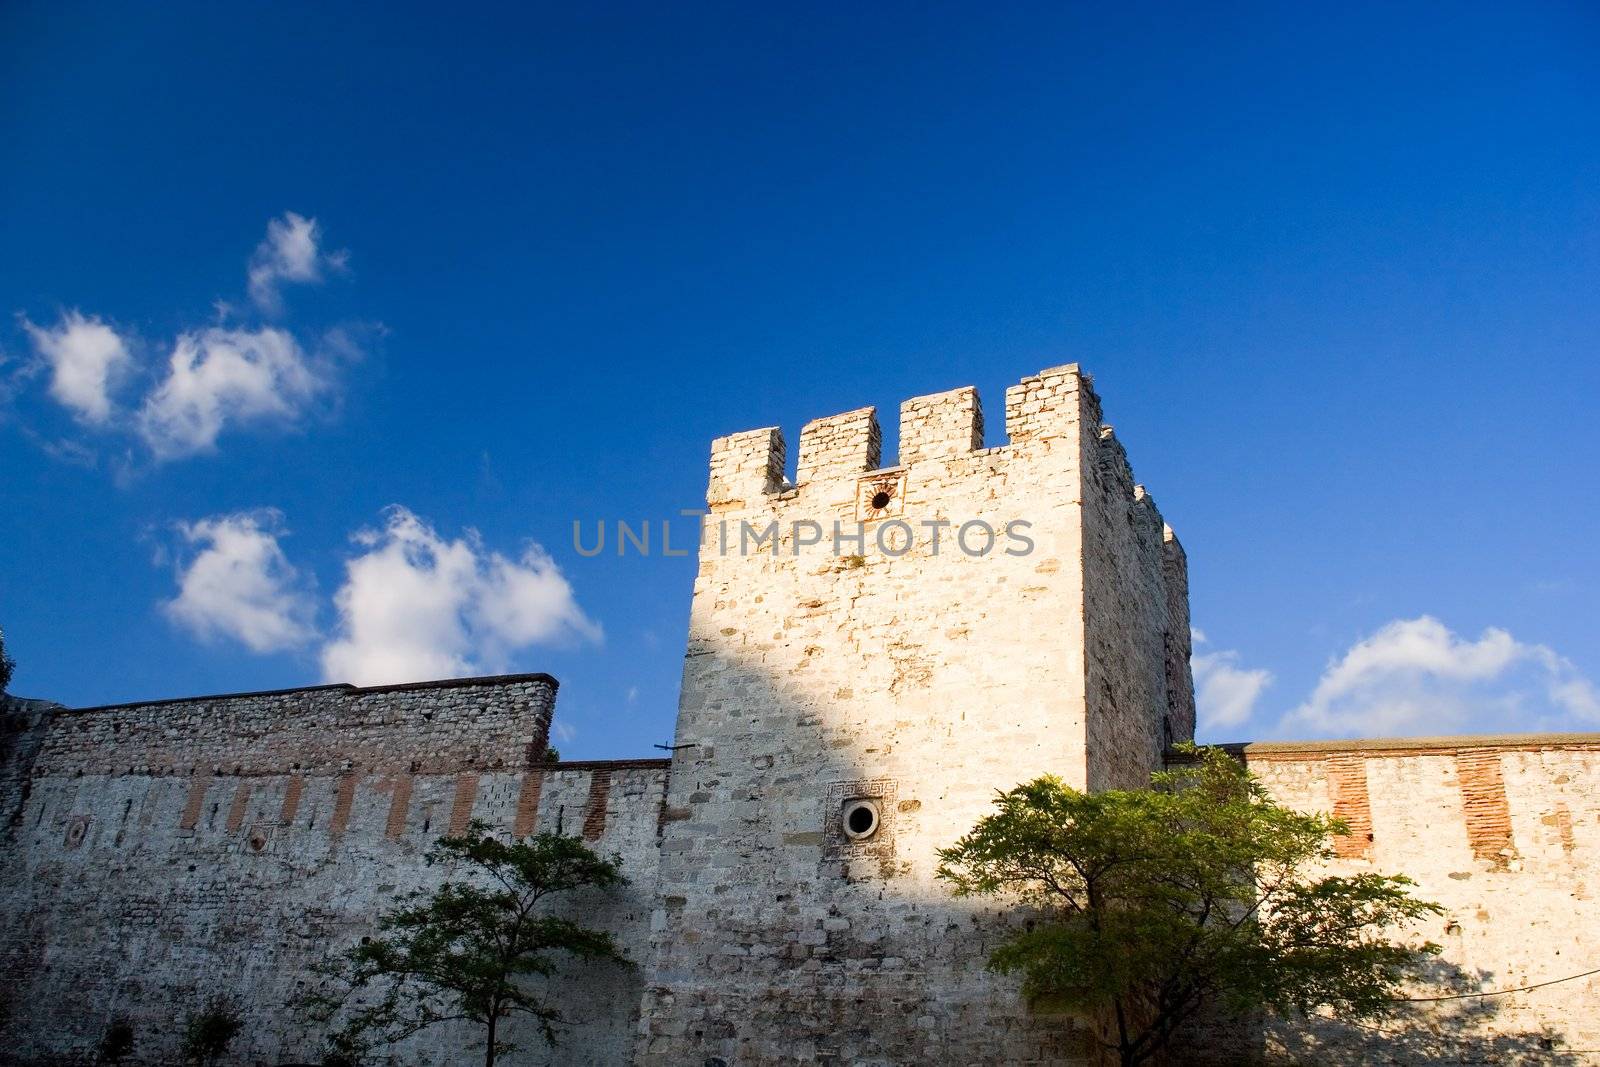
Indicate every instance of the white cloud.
{"type": "Point", "coordinates": [240, 585]}
{"type": "Point", "coordinates": [1225, 693]}
{"type": "Point", "coordinates": [85, 357]}
{"type": "Point", "coordinates": [289, 253]}
{"type": "Point", "coordinates": [1416, 675]}
{"type": "Point", "coordinates": [216, 376]}
{"type": "Point", "coordinates": [1573, 693]}
{"type": "Point", "coordinates": [417, 606]}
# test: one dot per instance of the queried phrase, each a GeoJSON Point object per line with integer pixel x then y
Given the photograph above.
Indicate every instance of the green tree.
{"type": "Point", "coordinates": [7, 664]}
{"type": "Point", "coordinates": [208, 1032]}
{"type": "Point", "coordinates": [466, 950]}
{"type": "Point", "coordinates": [1153, 904]}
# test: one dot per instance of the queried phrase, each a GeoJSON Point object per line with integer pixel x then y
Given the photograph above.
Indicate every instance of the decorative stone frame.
{"type": "Point", "coordinates": [881, 495]}
{"type": "Point", "coordinates": [77, 830]}
{"type": "Point", "coordinates": [259, 839]}
{"type": "Point", "coordinates": [859, 856]}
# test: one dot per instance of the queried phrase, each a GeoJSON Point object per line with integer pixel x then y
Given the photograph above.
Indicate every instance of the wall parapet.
{"type": "Point", "coordinates": [748, 468]}
{"type": "Point", "coordinates": [642, 763]}
{"type": "Point", "coordinates": [1403, 746]}
{"type": "Point", "coordinates": [484, 723]}
{"type": "Point", "coordinates": [177, 831]}
{"type": "Point", "coordinates": [330, 687]}
{"type": "Point", "coordinates": [1498, 830]}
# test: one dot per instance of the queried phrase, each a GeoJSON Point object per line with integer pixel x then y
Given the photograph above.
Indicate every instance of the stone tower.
{"type": "Point", "coordinates": [873, 651]}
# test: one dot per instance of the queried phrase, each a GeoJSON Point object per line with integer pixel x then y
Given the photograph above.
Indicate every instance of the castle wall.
{"type": "Point", "coordinates": [1179, 641]}
{"type": "Point", "coordinates": [164, 852]}
{"type": "Point", "coordinates": [152, 854]}
{"type": "Point", "coordinates": [1135, 691]}
{"type": "Point", "coordinates": [23, 726]}
{"type": "Point", "coordinates": [921, 680]}
{"type": "Point", "coordinates": [1505, 834]}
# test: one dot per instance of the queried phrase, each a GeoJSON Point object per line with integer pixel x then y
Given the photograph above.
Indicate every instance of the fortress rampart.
{"type": "Point", "coordinates": [158, 853]}
{"type": "Point", "coordinates": [913, 679]}
{"type": "Point", "coordinates": [843, 714]}
{"type": "Point", "coordinates": [1504, 832]}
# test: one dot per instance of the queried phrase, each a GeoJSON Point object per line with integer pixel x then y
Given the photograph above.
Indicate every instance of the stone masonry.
{"type": "Point", "coordinates": [1504, 832]}
{"type": "Point", "coordinates": [914, 675]}
{"type": "Point", "coordinates": [873, 650]}
{"type": "Point", "coordinates": [158, 853]}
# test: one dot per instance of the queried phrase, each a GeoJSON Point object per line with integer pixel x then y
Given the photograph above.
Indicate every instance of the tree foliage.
{"type": "Point", "coordinates": [7, 664]}
{"type": "Point", "coordinates": [1152, 904]}
{"type": "Point", "coordinates": [467, 950]}
{"type": "Point", "coordinates": [208, 1032]}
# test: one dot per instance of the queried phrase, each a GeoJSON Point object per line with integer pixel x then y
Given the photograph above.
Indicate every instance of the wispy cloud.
{"type": "Point", "coordinates": [240, 585]}
{"type": "Point", "coordinates": [1416, 675]}
{"type": "Point", "coordinates": [290, 252]}
{"type": "Point", "coordinates": [219, 376]}
{"type": "Point", "coordinates": [1225, 693]}
{"type": "Point", "coordinates": [85, 358]}
{"type": "Point", "coordinates": [417, 605]}
{"type": "Point", "coordinates": [214, 378]}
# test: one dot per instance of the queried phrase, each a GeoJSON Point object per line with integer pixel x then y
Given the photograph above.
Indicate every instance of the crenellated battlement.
{"type": "Point", "coordinates": [1054, 428]}
{"type": "Point", "coordinates": [746, 466]}
{"type": "Point", "coordinates": [1052, 404]}
{"type": "Point", "coordinates": [942, 424]}
{"type": "Point", "coordinates": [840, 445]}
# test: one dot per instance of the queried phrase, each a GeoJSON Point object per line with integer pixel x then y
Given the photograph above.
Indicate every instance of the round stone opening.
{"type": "Point", "coordinates": [860, 819]}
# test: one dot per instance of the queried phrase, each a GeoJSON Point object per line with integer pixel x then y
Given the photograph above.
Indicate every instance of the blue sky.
{"type": "Point", "coordinates": [276, 271]}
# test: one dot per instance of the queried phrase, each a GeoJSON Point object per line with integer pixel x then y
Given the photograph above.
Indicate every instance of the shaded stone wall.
{"type": "Point", "coordinates": [1139, 693]}
{"type": "Point", "coordinates": [22, 731]}
{"type": "Point", "coordinates": [917, 680]}
{"type": "Point", "coordinates": [1502, 831]}
{"type": "Point", "coordinates": [163, 852]}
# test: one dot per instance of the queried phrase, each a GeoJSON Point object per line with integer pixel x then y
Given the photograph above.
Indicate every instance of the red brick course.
{"type": "Point", "coordinates": [527, 818]}
{"type": "Point", "coordinates": [1347, 786]}
{"type": "Point", "coordinates": [594, 813]}
{"type": "Point", "coordinates": [1483, 799]}
{"type": "Point", "coordinates": [461, 808]}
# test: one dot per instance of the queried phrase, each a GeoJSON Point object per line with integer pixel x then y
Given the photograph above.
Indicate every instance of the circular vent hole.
{"type": "Point", "coordinates": [860, 819]}
{"type": "Point", "coordinates": [880, 500]}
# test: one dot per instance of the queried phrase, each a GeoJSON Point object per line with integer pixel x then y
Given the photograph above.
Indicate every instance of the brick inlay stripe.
{"type": "Point", "coordinates": [528, 804]}
{"type": "Point", "coordinates": [1562, 820]}
{"type": "Point", "coordinates": [195, 804]}
{"type": "Point", "coordinates": [1347, 785]}
{"type": "Point", "coordinates": [241, 804]}
{"type": "Point", "coordinates": [291, 800]}
{"type": "Point", "coordinates": [1483, 801]}
{"type": "Point", "coordinates": [399, 804]}
{"type": "Point", "coordinates": [594, 815]}
{"type": "Point", "coordinates": [461, 808]}
{"type": "Point", "coordinates": [343, 801]}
